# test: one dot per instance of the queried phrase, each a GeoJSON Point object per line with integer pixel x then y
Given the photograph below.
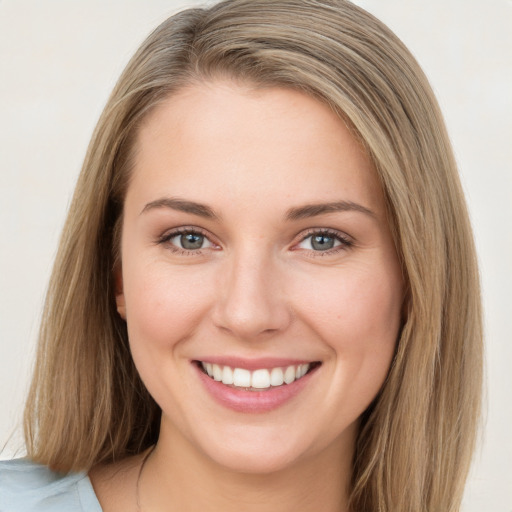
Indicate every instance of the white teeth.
{"type": "Point", "coordinates": [289, 374]}
{"type": "Point", "coordinates": [258, 379]}
{"type": "Point", "coordinates": [227, 375]}
{"type": "Point", "coordinates": [303, 370]}
{"type": "Point", "coordinates": [241, 378]}
{"type": "Point", "coordinates": [217, 372]}
{"type": "Point", "coordinates": [276, 377]}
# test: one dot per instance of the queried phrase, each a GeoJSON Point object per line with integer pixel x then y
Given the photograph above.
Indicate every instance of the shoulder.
{"type": "Point", "coordinates": [26, 487]}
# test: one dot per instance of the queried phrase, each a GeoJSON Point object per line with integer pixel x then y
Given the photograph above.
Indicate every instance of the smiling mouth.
{"type": "Point", "coordinates": [258, 380]}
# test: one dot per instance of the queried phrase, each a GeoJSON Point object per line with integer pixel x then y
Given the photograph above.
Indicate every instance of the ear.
{"type": "Point", "coordinates": [119, 291]}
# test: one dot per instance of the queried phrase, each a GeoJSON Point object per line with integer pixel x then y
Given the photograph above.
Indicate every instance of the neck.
{"type": "Point", "coordinates": [177, 474]}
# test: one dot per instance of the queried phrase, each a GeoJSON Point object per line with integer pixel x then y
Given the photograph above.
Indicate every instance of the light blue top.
{"type": "Point", "coordinates": [29, 487]}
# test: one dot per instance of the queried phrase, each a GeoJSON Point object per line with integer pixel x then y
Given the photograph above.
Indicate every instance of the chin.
{"type": "Point", "coordinates": [253, 460]}
{"type": "Point", "coordinates": [260, 450]}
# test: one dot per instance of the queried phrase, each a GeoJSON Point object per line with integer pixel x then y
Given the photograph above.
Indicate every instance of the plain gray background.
{"type": "Point", "coordinates": [59, 59]}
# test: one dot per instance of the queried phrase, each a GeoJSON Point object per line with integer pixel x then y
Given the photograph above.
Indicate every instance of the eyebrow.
{"type": "Point", "coordinates": [312, 210]}
{"type": "Point", "coordinates": [296, 213]}
{"type": "Point", "coordinates": [181, 205]}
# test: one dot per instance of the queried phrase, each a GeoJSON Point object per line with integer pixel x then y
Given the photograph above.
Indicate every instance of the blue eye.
{"type": "Point", "coordinates": [189, 240]}
{"type": "Point", "coordinates": [320, 241]}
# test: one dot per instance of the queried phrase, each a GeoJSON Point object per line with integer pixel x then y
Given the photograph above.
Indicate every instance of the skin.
{"type": "Point", "coordinates": [256, 288]}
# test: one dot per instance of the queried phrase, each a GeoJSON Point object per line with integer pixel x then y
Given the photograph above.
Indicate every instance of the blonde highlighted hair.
{"type": "Point", "coordinates": [87, 403]}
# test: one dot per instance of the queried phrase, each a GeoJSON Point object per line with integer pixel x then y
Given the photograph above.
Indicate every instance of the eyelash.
{"type": "Point", "coordinates": [345, 242]}
{"type": "Point", "coordinates": [166, 239]}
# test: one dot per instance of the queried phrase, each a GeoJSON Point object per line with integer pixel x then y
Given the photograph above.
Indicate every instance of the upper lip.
{"type": "Point", "coordinates": [255, 363]}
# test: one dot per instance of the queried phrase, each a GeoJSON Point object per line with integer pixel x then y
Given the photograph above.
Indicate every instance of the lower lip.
{"type": "Point", "coordinates": [240, 400]}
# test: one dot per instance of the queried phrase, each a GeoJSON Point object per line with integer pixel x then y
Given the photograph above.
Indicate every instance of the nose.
{"type": "Point", "coordinates": [251, 301]}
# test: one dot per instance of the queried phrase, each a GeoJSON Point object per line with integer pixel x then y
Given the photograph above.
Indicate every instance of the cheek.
{"type": "Point", "coordinates": [356, 312]}
{"type": "Point", "coordinates": [163, 306]}
{"type": "Point", "coordinates": [354, 301]}
{"type": "Point", "coordinates": [164, 310]}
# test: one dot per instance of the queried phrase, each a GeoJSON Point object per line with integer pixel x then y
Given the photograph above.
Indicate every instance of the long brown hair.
{"type": "Point", "coordinates": [87, 403]}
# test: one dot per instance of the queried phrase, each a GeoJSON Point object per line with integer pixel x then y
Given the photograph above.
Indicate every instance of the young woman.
{"type": "Point", "coordinates": [266, 294]}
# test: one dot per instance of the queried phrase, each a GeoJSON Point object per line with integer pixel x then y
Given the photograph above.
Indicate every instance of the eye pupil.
{"type": "Point", "coordinates": [191, 241]}
{"type": "Point", "coordinates": [322, 242]}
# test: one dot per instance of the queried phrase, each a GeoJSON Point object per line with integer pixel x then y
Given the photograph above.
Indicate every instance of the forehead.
{"type": "Point", "coordinates": [223, 138]}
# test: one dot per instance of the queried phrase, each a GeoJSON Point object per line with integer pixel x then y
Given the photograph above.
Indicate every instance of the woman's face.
{"type": "Point", "coordinates": [255, 248]}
